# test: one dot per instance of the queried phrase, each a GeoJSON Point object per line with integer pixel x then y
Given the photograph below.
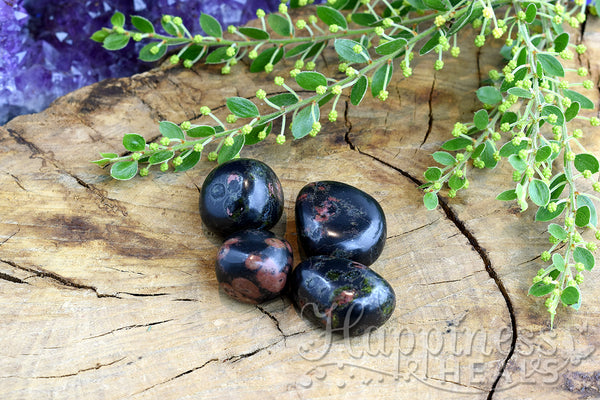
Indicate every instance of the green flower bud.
{"type": "Point", "coordinates": [144, 172]}
{"type": "Point", "coordinates": [226, 70]}
{"type": "Point", "coordinates": [177, 161]}
{"type": "Point", "coordinates": [479, 41]}
{"type": "Point", "coordinates": [333, 28]}
{"type": "Point", "coordinates": [174, 59]}
{"type": "Point", "coordinates": [153, 146]}
{"type": "Point", "coordinates": [269, 68]}
{"type": "Point", "coordinates": [321, 89]}
{"type": "Point", "coordinates": [545, 256]}
{"type": "Point", "coordinates": [260, 13]}
{"type": "Point", "coordinates": [246, 129]}
{"type": "Point", "coordinates": [198, 39]}
{"type": "Point", "coordinates": [188, 63]}
{"type": "Point", "coordinates": [198, 147]}
{"type": "Point", "coordinates": [382, 95]}
{"type": "Point", "coordinates": [261, 94]}
{"type": "Point", "coordinates": [136, 156]}
{"type": "Point", "coordinates": [301, 24]}
{"type": "Point", "coordinates": [280, 139]}
{"type": "Point", "coordinates": [228, 141]}
{"type": "Point", "coordinates": [279, 81]}
{"type": "Point", "coordinates": [154, 49]}
{"type": "Point", "coordinates": [137, 37]}
{"type": "Point", "coordinates": [231, 119]}
{"type": "Point", "coordinates": [591, 246]}
{"type": "Point", "coordinates": [594, 121]}
{"type": "Point", "coordinates": [439, 64]}
{"type": "Point", "coordinates": [299, 64]}
{"type": "Point", "coordinates": [164, 167]}
{"type": "Point", "coordinates": [587, 174]}
{"type": "Point", "coordinates": [310, 65]}
{"type": "Point", "coordinates": [165, 141]}
{"type": "Point", "coordinates": [212, 156]}
{"type": "Point", "coordinates": [332, 116]}
{"type": "Point", "coordinates": [252, 54]}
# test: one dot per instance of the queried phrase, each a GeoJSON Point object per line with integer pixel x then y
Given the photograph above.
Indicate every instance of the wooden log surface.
{"type": "Point", "coordinates": [107, 288]}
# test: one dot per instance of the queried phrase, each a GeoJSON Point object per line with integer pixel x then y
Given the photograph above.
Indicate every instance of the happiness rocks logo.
{"type": "Point", "coordinates": [456, 359]}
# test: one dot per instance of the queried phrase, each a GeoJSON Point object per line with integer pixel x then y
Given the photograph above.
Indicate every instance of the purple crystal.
{"type": "Point", "coordinates": [45, 50]}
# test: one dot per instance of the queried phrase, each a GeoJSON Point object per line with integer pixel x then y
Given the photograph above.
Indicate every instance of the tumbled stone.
{"type": "Point", "coordinates": [252, 266]}
{"type": "Point", "coordinates": [337, 219]}
{"type": "Point", "coordinates": [341, 295]}
{"type": "Point", "coordinates": [241, 194]}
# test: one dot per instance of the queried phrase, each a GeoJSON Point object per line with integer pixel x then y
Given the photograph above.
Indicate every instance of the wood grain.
{"type": "Point", "coordinates": [107, 288]}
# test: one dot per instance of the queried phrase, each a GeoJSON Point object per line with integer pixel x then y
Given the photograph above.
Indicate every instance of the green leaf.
{"type": "Point", "coordinates": [582, 216]}
{"type": "Point", "coordinates": [170, 130]}
{"type": "Point", "coordinates": [541, 289]}
{"type": "Point", "coordinates": [432, 174]}
{"type": "Point", "coordinates": [381, 78]}
{"type": "Point", "coordinates": [358, 90]}
{"type": "Point", "coordinates": [444, 158]}
{"type": "Point", "coordinates": [345, 49]}
{"type": "Point", "coordinates": [310, 80]}
{"type": "Point", "coordinates": [561, 42]}
{"type": "Point", "coordinates": [160, 157]}
{"type": "Point", "coordinates": [509, 117]}
{"type": "Point", "coordinates": [583, 101]}
{"type": "Point", "coordinates": [558, 261]}
{"type": "Point", "coordinates": [458, 143]}
{"type": "Point", "coordinates": [340, 4]}
{"type": "Point", "coordinates": [530, 13]}
{"type": "Point", "coordinates": [391, 46]}
{"type": "Point", "coordinates": [417, 4]}
{"type": "Point", "coordinates": [169, 27]}
{"type": "Point", "coordinates": [280, 25]}
{"type": "Point", "coordinates": [142, 24]}
{"type": "Point", "coordinates": [304, 120]}
{"type": "Point", "coordinates": [439, 5]}
{"type": "Point", "coordinates": [201, 131]}
{"type": "Point", "coordinates": [363, 19]}
{"type": "Point", "coordinates": [211, 26]}
{"type": "Point", "coordinates": [124, 170]}
{"type": "Point", "coordinates": [517, 163]}
{"type": "Point", "coordinates": [115, 41]}
{"type": "Point", "coordinates": [557, 185]}
{"type": "Point", "coordinates": [193, 52]}
{"type": "Point", "coordinates": [430, 200]}
{"type": "Point", "coordinates": [553, 110]}
{"type": "Point", "coordinates": [507, 195]}
{"type": "Point", "coordinates": [283, 99]}
{"type": "Point", "coordinates": [572, 111]}
{"type": "Point", "coordinates": [509, 148]}
{"type": "Point", "coordinates": [481, 119]}
{"type": "Point", "coordinates": [299, 49]}
{"type": "Point", "coordinates": [134, 142]}
{"type": "Point", "coordinates": [146, 54]}
{"type": "Point", "coordinates": [570, 295]}
{"type": "Point", "coordinates": [583, 200]}
{"type": "Point", "coordinates": [543, 215]}
{"type": "Point", "coordinates": [218, 56]}
{"type": "Point", "coordinates": [254, 33]}
{"type": "Point", "coordinates": [489, 95]}
{"type": "Point", "coordinates": [539, 192]}
{"type": "Point", "coordinates": [487, 155]}
{"type": "Point", "coordinates": [117, 19]}
{"type": "Point", "coordinates": [557, 231]}
{"type": "Point", "coordinates": [315, 49]}
{"type": "Point", "coordinates": [189, 161]}
{"type": "Point", "coordinates": [543, 153]}
{"type": "Point", "coordinates": [584, 256]}
{"type": "Point", "coordinates": [586, 161]}
{"type": "Point", "coordinates": [100, 35]}
{"type": "Point", "coordinates": [229, 152]}
{"type": "Point", "coordinates": [109, 155]}
{"type": "Point", "coordinates": [456, 183]}
{"type": "Point", "coordinates": [242, 107]}
{"type": "Point", "coordinates": [274, 53]}
{"type": "Point", "coordinates": [430, 44]}
{"type": "Point", "coordinates": [550, 64]}
{"type": "Point", "coordinates": [516, 91]}
{"type": "Point", "coordinates": [331, 16]}
{"type": "Point", "coordinates": [478, 150]}
{"type": "Point", "coordinates": [252, 137]}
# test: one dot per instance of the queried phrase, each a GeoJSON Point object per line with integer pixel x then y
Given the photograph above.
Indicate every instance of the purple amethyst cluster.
{"type": "Point", "coordinates": [45, 50]}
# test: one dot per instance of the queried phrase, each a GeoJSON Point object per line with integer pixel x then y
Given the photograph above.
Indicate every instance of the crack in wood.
{"type": "Point", "coordinates": [430, 117]}
{"type": "Point", "coordinates": [13, 279]}
{"type": "Point", "coordinates": [189, 371]}
{"type": "Point", "coordinates": [275, 321]}
{"type": "Point", "coordinates": [95, 367]}
{"type": "Point", "coordinates": [40, 273]}
{"type": "Point", "coordinates": [124, 328]}
{"type": "Point", "coordinates": [451, 215]}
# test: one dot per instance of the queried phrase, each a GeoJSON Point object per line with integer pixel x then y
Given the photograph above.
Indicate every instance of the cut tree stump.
{"type": "Point", "coordinates": [108, 291]}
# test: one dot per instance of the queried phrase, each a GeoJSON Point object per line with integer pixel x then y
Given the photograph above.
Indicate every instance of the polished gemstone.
{"type": "Point", "coordinates": [341, 295]}
{"type": "Point", "coordinates": [241, 194]}
{"type": "Point", "coordinates": [337, 219]}
{"type": "Point", "coordinates": [252, 266]}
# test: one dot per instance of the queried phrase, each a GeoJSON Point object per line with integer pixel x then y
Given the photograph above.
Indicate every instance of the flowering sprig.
{"type": "Point", "coordinates": [524, 117]}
